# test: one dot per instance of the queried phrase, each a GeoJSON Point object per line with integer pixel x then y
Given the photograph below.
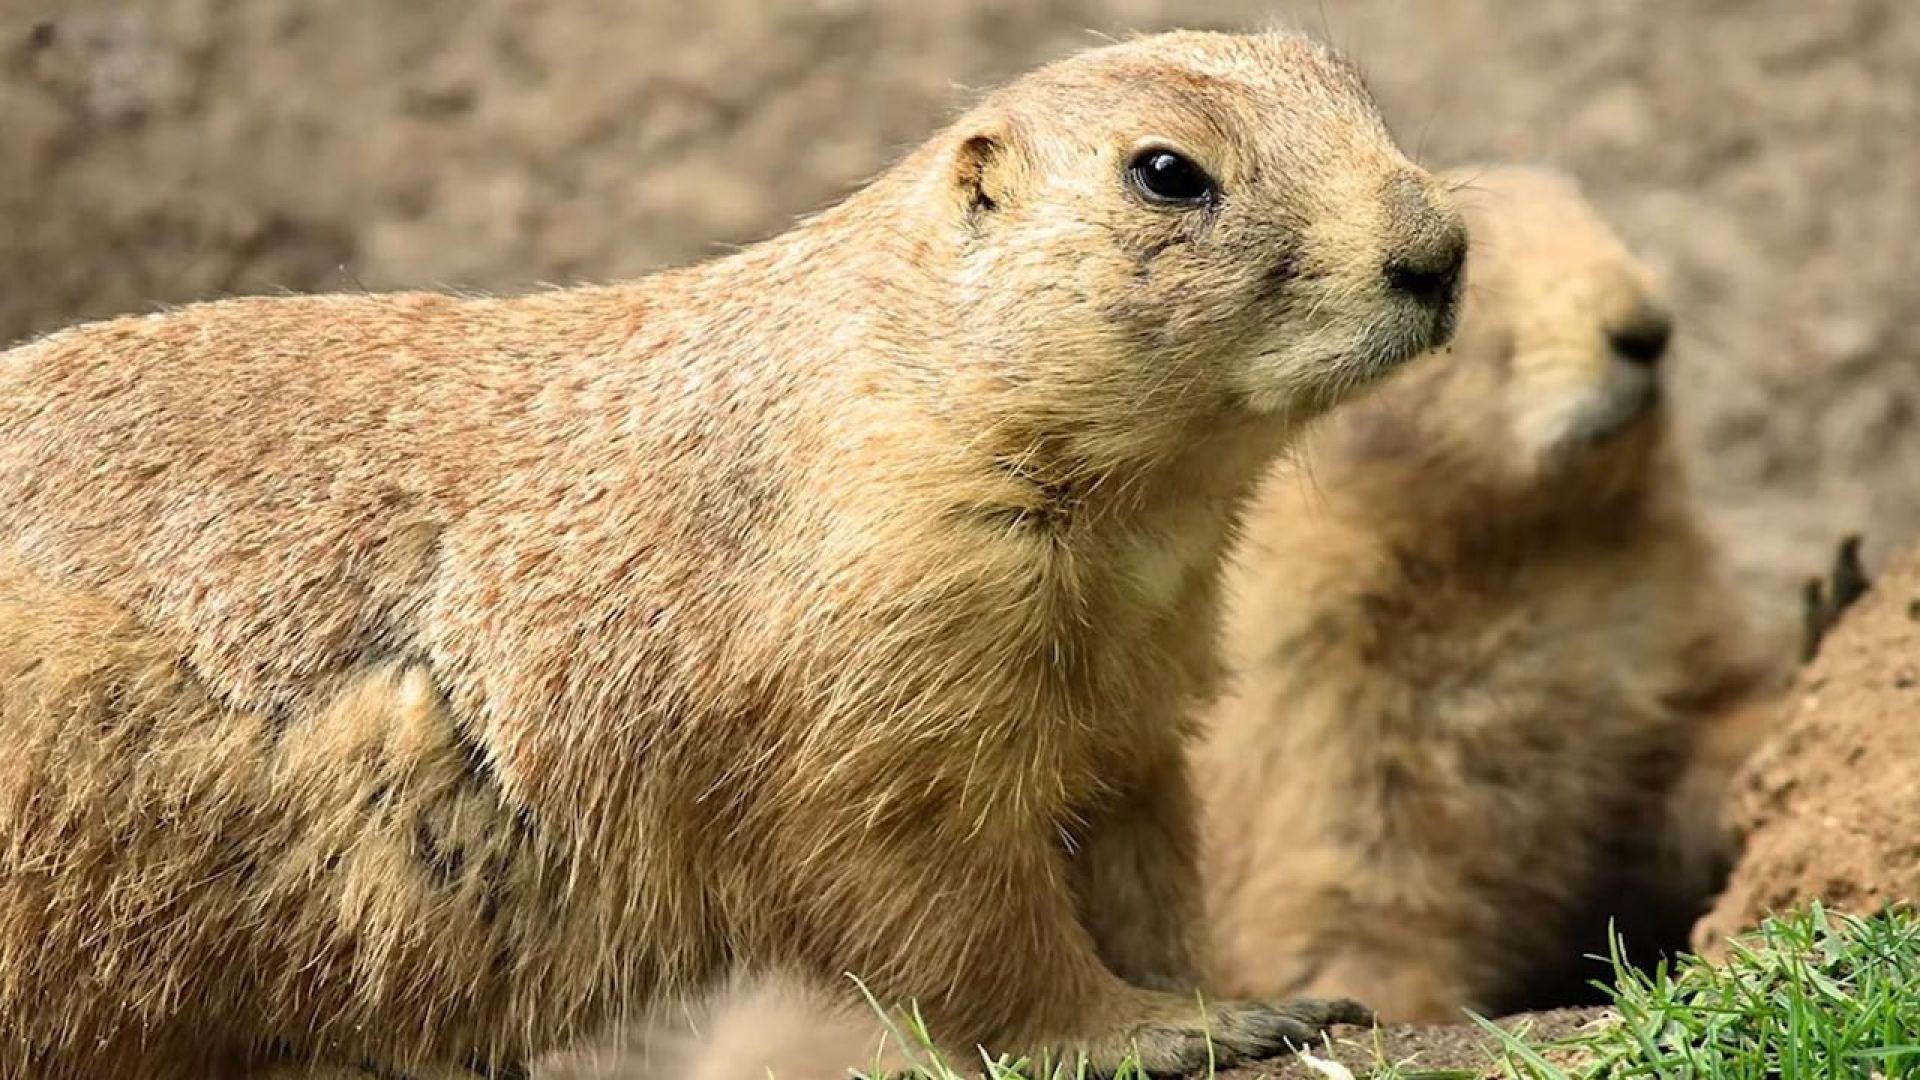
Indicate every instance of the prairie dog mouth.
{"type": "Point", "coordinates": [1409, 333]}
{"type": "Point", "coordinates": [1335, 362]}
{"type": "Point", "coordinates": [1602, 416]}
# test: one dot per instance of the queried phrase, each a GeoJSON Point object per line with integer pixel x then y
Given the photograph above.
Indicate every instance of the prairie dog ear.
{"type": "Point", "coordinates": [983, 171]}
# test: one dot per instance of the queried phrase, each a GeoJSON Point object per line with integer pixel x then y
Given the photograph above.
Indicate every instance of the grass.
{"type": "Point", "coordinates": [1811, 995]}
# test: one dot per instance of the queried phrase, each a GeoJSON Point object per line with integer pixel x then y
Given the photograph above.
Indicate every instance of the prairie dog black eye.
{"type": "Point", "coordinates": [1167, 177]}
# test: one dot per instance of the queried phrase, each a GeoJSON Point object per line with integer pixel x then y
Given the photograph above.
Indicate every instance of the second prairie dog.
{"type": "Point", "coordinates": [424, 680]}
{"type": "Point", "coordinates": [1474, 632]}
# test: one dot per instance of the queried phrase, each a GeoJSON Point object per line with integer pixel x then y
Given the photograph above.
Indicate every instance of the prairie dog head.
{"type": "Point", "coordinates": [1582, 322]}
{"type": "Point", "coordinates": [1552, 382]}
{"type": "Point", "coordinates": [1192, 229]}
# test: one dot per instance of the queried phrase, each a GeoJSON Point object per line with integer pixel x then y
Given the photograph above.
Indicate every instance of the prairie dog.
{"type": "Point", "coordinates": [425, 681]}
{"type": "Point", "coordinates": [1473, 632]}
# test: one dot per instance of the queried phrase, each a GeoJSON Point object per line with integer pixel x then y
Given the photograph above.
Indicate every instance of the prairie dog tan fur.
{"type": "Point", "coordinates": [1473, 633]}
{"type": "Point", "coordinates": [427, 681]}
{"type": "Point", "coordinates": [790, 1028]}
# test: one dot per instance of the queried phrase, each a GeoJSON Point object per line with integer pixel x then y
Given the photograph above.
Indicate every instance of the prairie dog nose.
{"type": "Point", "coordinates": [1429, 245]}
{"type": "Point", "coordinates": [1642, 337]}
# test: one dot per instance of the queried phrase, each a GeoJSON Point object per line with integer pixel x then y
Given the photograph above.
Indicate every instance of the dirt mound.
{"type": "Point", "coordinates": [1829, 808]}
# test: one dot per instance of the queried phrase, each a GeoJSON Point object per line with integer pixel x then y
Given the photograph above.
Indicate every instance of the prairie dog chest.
{"type": "Point", "coordinates": [1167, 566]}
{"type": "Point", "coordinates": [1153, 655]}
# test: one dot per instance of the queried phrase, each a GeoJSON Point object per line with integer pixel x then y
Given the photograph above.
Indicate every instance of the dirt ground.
{"type": "Point", "coordinates": [1455, 1050]}
{"type": "Point", "coordinates": [1829, 808]}
{"type": "Point", "coordinates": [1759, 152]}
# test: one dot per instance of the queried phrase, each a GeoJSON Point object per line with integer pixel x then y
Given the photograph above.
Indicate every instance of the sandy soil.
{"type": "Point", "coordinates": [1760, 152]}
{"type": "Point", "coordinates": [1829, 808]}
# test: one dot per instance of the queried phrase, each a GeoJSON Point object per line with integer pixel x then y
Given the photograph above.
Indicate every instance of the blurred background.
{"type": "Point", "coordinates": [1763, 154]}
